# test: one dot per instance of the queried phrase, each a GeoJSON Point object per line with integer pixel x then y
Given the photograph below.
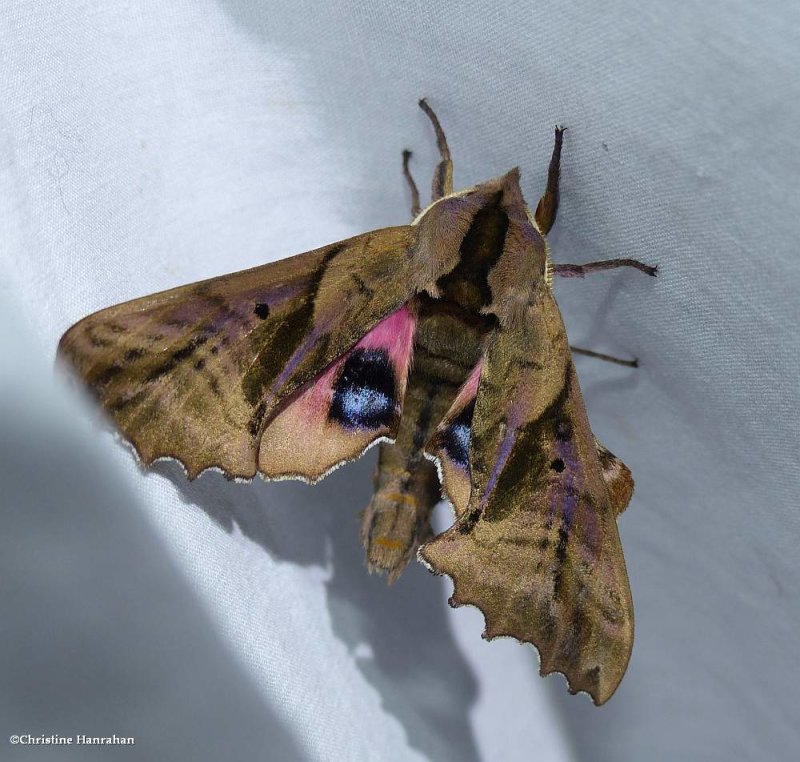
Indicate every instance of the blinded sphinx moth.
{"type": "Point", "coordinates": [441, 340]}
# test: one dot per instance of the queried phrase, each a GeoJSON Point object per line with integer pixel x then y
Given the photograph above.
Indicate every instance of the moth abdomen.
{"type": "Point", "coordinates": [397, 518]}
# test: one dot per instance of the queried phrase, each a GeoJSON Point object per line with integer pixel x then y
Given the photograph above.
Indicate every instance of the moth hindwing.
{"type": "Point", "coordinates": [439, 339]}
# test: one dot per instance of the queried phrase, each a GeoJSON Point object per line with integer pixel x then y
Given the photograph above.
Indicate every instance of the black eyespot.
{"type": "Point", "coordinates": [262, 310]}
{"type": "Point", "coordinates": [363, 395]}
{"type": "Point", "coordinates": [557, 465]}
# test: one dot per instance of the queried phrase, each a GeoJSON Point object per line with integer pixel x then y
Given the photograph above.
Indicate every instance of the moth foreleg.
{"type": "Point", "coordinates": [547, 208]}
{"type": "Point", "coordinates": [578, 271]}
{"type": "Point", "coordinates": [443, 176]}
{"type": "Point", "coordinates": [608, 358]}
{"type": "Point", "coordinates": [415, 207]}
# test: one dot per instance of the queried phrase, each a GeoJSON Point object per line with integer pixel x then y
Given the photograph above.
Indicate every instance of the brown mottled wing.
{"type": "Point", "coordinates": [195, 373]}
{"type": "Point", "coordinates": [449, 445]}
{"type": "Point", "coordinates": [537, 549]}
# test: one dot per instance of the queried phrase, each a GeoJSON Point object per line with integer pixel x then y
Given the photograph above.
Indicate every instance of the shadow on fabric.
{"type": "Point", "coordinates": [399, 635]}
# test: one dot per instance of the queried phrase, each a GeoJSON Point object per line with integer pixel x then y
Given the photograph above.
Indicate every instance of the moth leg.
{"type": "Point", "coordinates": [443, 176]}
{"type": "Point", "coordinates": [397, 520]}
{"type": "Point", "coordinates": [608, 358]}
{"type": "Point", "coordinates": [547, 208]}
{"type": "Point", "coordinates": [578, 271]}
{"type": "Point", "coordinates": [415, 207]}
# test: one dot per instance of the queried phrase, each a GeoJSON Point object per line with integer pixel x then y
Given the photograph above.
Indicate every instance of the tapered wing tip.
{"type": "Point", "coordinates": [61, 347]}
{"type": "Point", "coordinates": [64, 350]}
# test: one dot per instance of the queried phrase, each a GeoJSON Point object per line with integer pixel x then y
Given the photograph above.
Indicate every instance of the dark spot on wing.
{"type": "Point", "coordinates": [281, 341]}
{"type": "Point", "coordinates": [261, 310]}
{"type": "Point", "coordinates": [364, 392]}
{"type": "Point", "coordinates": [200, 364]}
{"type": "Point", "coordinates": [557, 465]}
{"type": "Point", "coordinates": [455, 438]}
{"type": "Point", "coordinates": [279, 346]}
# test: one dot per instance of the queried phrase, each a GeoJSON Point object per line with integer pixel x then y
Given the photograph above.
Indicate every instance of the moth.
{"type": "Point", "coordinates": [441, 341]}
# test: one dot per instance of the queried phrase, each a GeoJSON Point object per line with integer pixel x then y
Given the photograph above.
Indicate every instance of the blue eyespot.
{"type": "Point", "coordinates": [456, 436]}
{"type": "Point", "coordinates": [364, 392]}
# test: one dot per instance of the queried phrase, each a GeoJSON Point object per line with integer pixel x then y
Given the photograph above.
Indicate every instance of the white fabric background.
{"type": "Point", "coordinates": [147, 145]}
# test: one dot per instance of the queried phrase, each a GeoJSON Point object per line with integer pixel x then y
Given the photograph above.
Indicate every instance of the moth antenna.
{"type": "Point", "coordinates": [415, 205]}
{"type": "Point", "coordinates": [547, 208]}
{"type": "Point", "coordinates": [443, 176]}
